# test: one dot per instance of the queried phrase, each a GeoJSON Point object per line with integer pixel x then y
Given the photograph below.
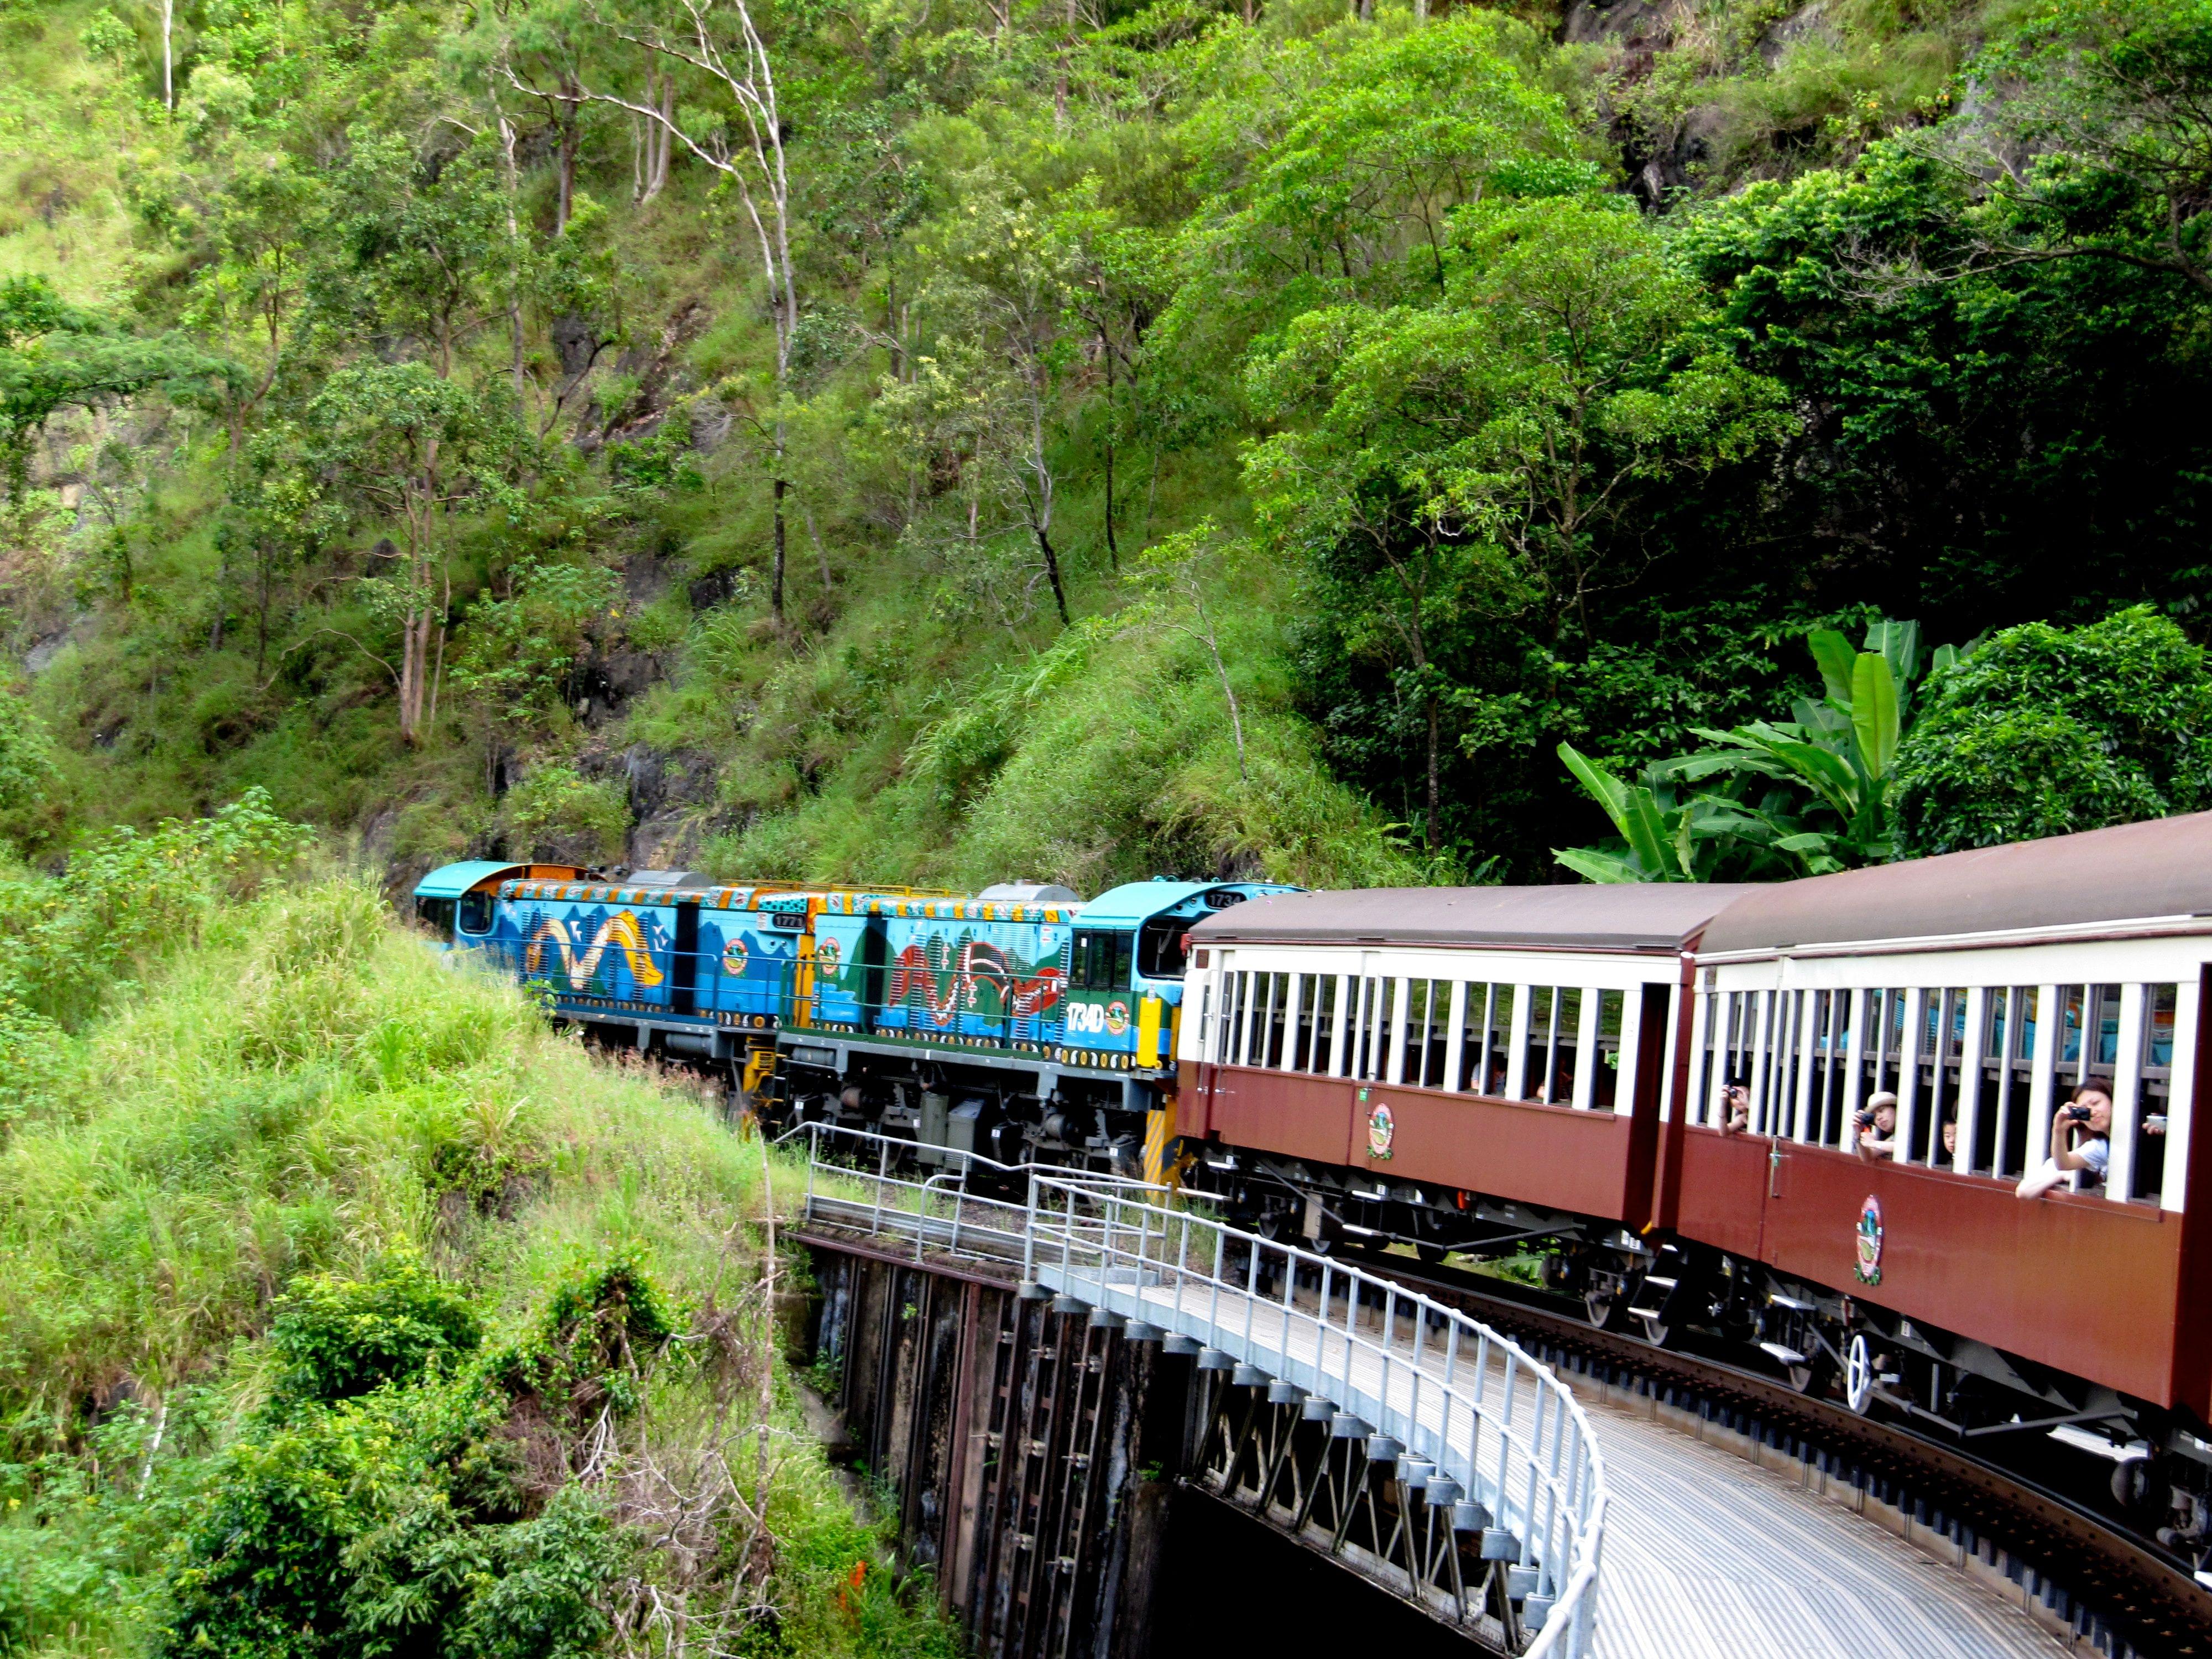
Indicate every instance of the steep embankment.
{"type": "Point", "coordinates": [346, 1309]}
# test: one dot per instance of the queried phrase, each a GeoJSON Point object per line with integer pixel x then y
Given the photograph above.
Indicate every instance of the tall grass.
{"type": "Point", "coordinates": [309, 1089]}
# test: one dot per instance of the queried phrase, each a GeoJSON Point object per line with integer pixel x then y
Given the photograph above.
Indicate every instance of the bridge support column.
{"type": "Point", "coordinates": [1032, 1454]}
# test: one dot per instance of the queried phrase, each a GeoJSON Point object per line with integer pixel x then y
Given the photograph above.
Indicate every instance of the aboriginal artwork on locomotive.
{"type": "Point", "coordinates": [627, 954]}
{"type": "Point", "coordinates": [999, 981]}
{"type": "Point", "coordinates": [595, 952]}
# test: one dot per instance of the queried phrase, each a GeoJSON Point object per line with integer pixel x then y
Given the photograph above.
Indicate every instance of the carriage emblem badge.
{"type": "Point", "coordinates": [1381, 1127]}
{"type": "Point", "coordinates": [1868, 1267]}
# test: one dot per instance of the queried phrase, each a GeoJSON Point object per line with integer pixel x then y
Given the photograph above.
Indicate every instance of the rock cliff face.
{"type": "Point", "coordinates": [1704, 94]}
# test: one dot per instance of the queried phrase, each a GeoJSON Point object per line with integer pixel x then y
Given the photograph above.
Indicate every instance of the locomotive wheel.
{"type": "Point", "coordinates": [1858, 1375]}
{"type": "Point", "coordinates": [2137, 1487]}
{"type": "Point", "coordinates": [1600, 1306]}
{"type": "Point", "coordinates": [1656, 1331]}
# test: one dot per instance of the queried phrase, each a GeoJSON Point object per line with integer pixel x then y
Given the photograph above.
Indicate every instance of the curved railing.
{"type": "Point", "coordinates": [1477, 1426]}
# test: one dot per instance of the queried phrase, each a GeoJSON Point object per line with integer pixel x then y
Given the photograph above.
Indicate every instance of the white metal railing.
{"type": "Point", "coordinates": [868, 1183]}
{"type": "Point", "coordinates": [1495, 1434]}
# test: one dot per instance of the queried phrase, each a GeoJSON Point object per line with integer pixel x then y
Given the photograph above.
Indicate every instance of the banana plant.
{"type": "Point", "coordinates": [1842, 748]}
{"type": "Point", "coordinates": [1667, 838]}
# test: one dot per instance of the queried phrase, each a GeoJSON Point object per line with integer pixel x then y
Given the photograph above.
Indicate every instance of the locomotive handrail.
{"type": "Point", "coordinates": [1499, 1439]}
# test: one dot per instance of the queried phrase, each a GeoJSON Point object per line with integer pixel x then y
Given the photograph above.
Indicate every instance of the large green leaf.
{"type": "Point", "coordinates": [1875, 713]}
{"type": "Point", "coordinates": [1834, 655]}
{"type": "Point", "coordinates": [1651, 837]}
{"type": "Point", "coordinates": [1898, 644]}
{"type": "Point", "coordinates": [1604, 789]}
{"type": "Point", "coordinates": [1593, 865]}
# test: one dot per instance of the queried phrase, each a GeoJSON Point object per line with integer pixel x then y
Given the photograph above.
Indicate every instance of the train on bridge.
{"type": "Point", "coordinates": [1791, 1123]}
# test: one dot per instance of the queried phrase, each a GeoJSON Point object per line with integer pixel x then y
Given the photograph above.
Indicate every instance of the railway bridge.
{"type": "Point", "coordinates": [1042, 1366]}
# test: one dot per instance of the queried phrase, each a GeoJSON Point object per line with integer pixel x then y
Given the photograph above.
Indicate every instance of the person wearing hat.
{"type": "Point", "coordinates": [1877, 1127]}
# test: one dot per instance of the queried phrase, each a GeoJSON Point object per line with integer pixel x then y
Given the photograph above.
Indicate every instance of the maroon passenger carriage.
{"type": "Point", "coordinates": [1487, 1070]}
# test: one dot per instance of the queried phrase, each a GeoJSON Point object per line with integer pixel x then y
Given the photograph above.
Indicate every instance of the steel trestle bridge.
{"type": "Point", "coordinates": [1407, 1441]}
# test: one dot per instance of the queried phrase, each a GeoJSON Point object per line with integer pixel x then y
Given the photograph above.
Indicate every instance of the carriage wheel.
{"type": "Point", "coordinates": [1858, 1375]}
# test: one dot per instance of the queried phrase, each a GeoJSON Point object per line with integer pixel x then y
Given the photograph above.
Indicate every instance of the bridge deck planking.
{"type": "Point", "coordinates": [1708, 1556]}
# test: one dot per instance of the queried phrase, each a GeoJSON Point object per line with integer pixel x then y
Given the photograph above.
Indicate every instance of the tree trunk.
{"type": "Point", "coordinates": [775, 581]}
{"type": "Point", "coordinates": [168, 57]}
{"type": "Point", "coordinates": [1113, 549]}
{"type": "Point", "coordinates": [514, 235]}
{"type": "Point", "coordinates": [261, 614]}
{"type": "Point", "coordinates": [1435, 726]}
{"type": "Point", "coordinates": [665, 149]}
{"type": "Point", "coordinates": [1052, 572]}
{"type": "Point", "coordinates": [569, 143]}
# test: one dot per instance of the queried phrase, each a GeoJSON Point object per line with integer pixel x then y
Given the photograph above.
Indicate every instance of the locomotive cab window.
{"type": "Point", "coordinates": [1101, 960]}
{"type": "Point", "coordinates": [1162, 946]}
{"type": "Point", "coordinates": [473, 913]}
{"type": "Point", "coordinates": [436, 914]}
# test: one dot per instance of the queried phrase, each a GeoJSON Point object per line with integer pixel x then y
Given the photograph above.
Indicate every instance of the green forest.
{"type": "Point", "coordinates": [911, 442]}
{"type": "Point", "coordinates": [935, 442]}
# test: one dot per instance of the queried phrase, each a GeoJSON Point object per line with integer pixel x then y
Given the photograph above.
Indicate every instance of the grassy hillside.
{"type": "Point", "coordinates": [344, 1309]}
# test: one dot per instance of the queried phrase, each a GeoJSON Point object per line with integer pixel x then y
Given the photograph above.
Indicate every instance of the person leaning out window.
{"type": "Point", "coordinates": [2081, 1139]}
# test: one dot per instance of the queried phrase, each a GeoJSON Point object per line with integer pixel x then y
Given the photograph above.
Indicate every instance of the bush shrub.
{"type": "Point", "coordinates": [2042, 731]}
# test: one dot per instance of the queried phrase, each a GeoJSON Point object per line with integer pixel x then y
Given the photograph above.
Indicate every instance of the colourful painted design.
{"type": "Point", "coordinates": [1382, 1130]}
{"type": "Point", "coordinates": [920, 979]}
{"type": "Point", "coordinates": [1867, 1268]}
{"type": "Point", "coordinates": [733, 956]}
{"type": "Point", "coordinates": [621, 931]}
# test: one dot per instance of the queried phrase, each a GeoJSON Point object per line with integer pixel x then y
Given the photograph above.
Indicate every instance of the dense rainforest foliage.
{"type": "Point", "coordinates": [904, 440]}
{"type": "Point", "coordinates": [346, 1309]}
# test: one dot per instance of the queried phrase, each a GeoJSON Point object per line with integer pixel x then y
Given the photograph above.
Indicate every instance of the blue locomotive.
{"type": "Point", "coordinates": [1021, 1022]}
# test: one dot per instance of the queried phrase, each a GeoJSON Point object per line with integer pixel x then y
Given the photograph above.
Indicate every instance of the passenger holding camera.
{"type": "Point", "coordinates": [1736, 1109]}
{"type": "Point", "coordinates": [2080, 1139]}
{"type": "Point", "coordinates": [1877, 1128]}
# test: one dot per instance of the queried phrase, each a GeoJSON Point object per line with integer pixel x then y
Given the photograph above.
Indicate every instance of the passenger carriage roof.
{"type": "Point", "coordinates": [2061, 884]}
{"type": "Point", "coordinates": [455, 879]}
{"type": "Point", "coordinates": [1642, 916]}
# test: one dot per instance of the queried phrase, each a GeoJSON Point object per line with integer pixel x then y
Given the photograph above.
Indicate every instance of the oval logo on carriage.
{"type": "Point", "coordinates": [1381, 1128]}
{"type": "Point", "coordinates": [1118, 1018]}
{"type": "Point", "coordinates": [733, 957]}
{"type": "Point", "coordinates": [1868, 1267]}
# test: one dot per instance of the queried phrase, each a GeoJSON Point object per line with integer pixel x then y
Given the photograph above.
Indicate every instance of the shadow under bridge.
{"type": "Point", "coordinates": [1399, 1438]}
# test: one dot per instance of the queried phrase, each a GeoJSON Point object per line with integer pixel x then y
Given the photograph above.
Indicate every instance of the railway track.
{"type": "Point", "coordinates": [2128, 1585]}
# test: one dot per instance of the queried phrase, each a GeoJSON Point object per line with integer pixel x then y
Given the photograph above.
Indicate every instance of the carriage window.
{"type": "Point", "coordinates": [1435, 1042]}
{"type": "Point", "coordinates": [2153, 1065]}
{"type": "Point", "coordinates": [1279, 1009]}
{"type": "Point", "coordinates": [1554, 1031]}
{"type": "Point", "coordinates": [1608, 1087]}
{"type": "Point", "coordinates": [1483, 1036]}
{"type": "Point", "coordinates": [436, 914]}
{"type": "Point", "coordinates": [1428, 1033]}
{"type": "Point", "coordinates": [473, 915]}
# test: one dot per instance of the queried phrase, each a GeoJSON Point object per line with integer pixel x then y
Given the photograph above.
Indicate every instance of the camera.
{"type": "Point", "coordinates": [2077, 1114]}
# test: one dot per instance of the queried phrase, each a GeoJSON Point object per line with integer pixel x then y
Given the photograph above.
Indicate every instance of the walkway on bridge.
{"type": "Point", "coordinates": [1707, 1554]}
